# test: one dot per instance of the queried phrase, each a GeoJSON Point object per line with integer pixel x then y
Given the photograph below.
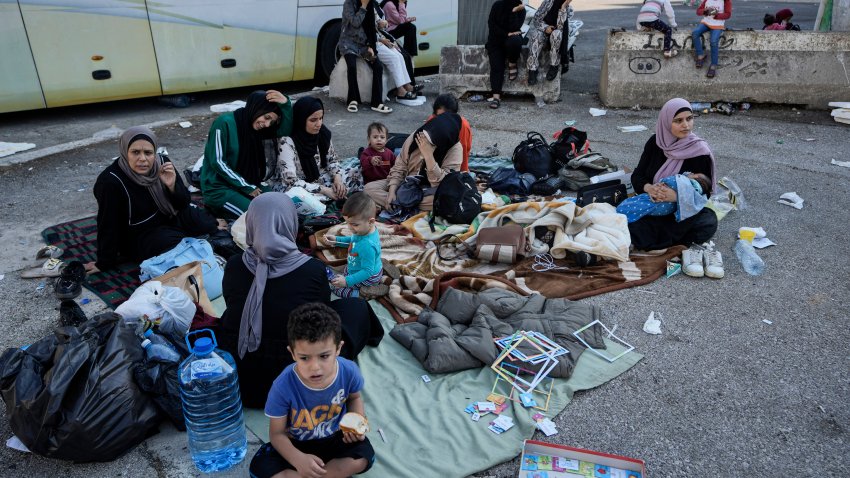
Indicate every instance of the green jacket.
{"type": "Point", "coordinates": [218, 174]}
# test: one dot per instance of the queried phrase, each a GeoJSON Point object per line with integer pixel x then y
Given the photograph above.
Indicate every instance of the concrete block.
{"type": "Point", "coordinates": [467, 68]}
{"type": "Point", "coordinates": [338, 87]}
{"type": "Point", "coordinates": [802, 68]}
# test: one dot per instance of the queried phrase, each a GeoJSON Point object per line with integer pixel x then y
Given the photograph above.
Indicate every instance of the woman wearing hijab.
{"type": "Point", "coordinates": [235, 157]}
{"type": "Point", "coordinates": [673, 149]}
{"type": "Point", "coordinates": [432, 151]}
{"type": "Point", "coordinates": [307, 157]}
{"type": "Point", "coordinates": [142, 205]}
{"type": "Point", "coordinates": [358, 39]}
{"type": "Point", "coordinates": [504, 43]}
{"type": "Point", "coordinates": [264, 284]}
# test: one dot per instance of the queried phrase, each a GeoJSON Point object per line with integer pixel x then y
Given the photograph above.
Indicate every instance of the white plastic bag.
{"type": "Point", "coordinates": [169, 307]}
{"type": "Point", "coordinates": [305, 203]}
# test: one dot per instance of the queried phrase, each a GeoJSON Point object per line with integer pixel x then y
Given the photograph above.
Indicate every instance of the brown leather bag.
{"type": "Point", "coordinates": [190, 279]}
{"type": "Point", "coordinates": [500, 244]}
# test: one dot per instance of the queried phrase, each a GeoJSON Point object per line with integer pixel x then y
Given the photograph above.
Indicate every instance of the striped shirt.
{"type": "Point", "coordinates": [651, 11]}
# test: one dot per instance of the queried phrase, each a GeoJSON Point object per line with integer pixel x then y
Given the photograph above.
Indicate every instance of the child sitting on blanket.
{"type": "Point", "coordinates": [307, 401]}
{"type": "Point", "coordinates": [690, 198]}
{"type": "Point", "coordinates": [376, 160]}
{"type": "Point", "coordinates": [364, 266]}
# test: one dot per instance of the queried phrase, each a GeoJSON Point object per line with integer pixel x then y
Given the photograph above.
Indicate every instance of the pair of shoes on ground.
{"type": "Point", "coordinates": [353, 107]}
{"type": "Point", "coordinates": [70, 281]}
{"type": "Point", "coordinates": [703, 260]}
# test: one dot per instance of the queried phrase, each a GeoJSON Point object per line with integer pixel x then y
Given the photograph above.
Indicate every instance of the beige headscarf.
{"type": "Point", "coordinates": [151, 180]}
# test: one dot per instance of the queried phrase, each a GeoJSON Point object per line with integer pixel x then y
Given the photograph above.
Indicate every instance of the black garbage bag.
{"type": "Point", "coordinates": [72, 395]}
{"type": "Point", "coordinates": [159, 380]}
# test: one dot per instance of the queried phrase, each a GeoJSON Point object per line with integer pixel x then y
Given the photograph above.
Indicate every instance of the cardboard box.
{"type": "Point", "coordinates": [578, 463]}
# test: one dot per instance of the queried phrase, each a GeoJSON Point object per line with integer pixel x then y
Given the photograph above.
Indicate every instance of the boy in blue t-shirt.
{"type": "Point", "coordinates": [307, 401]}
{"type": "Point", "coordinates": [364, 268]}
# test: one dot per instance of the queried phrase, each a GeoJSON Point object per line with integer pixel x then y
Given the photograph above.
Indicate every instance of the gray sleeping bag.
{"type": "Point", "coordinates": [459, 334]}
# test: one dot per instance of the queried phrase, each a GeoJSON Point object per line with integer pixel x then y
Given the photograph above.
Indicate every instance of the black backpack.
{"type": "Point", "coordinates": [457, 199]}
{"type": "Point", "coordinates": [533, 156]}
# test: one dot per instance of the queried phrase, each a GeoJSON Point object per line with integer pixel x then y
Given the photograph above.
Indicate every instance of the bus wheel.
{"type": "Point", "coordinates": [326, 51]}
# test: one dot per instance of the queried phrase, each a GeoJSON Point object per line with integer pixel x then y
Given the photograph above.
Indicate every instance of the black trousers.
{"type": "Point", "coordinates": [190, 222]}
{"type": "Point", "coordinates": [377, 80]}
{"type": "Point", "coordinates": [407, 33]}
{"type": "Point", "coordinates": [659, 232]}
{"type": "Point", "coordinates": [498, 54]}
{"type": "Point", "coordinates": [663, 28]}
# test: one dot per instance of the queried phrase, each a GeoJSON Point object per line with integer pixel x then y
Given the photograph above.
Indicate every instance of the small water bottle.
{"type": "Point", "coordinates": [159, 340]}
{"type": "Point", "coordinates": [159, 352]}
{"type": "Point", "coordinates": [212, 407]}
{"type": "Point", "coordinates": [750, 261]}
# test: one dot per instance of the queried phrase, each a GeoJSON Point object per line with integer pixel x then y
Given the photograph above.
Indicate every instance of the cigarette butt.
{"type": "Point", "coordinates": [383, 437]}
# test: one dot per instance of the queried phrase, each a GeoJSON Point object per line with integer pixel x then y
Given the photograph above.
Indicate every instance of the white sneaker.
{"type": "Point", "coordinates": [713, 261]}
{"type": "Point", "coordinates": [692, 262]}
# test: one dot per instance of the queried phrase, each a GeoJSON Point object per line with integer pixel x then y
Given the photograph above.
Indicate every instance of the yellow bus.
{"type": "Point", "coordinates": [68, 52]}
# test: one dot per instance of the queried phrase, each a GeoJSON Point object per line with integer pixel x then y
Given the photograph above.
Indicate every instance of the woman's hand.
{"type": "Point", "coordinates": [91, 268]}
{"type": "Point", "coordinates": [660, 192]}
{"type": "Point", "coordinates": [168, 175]}
{"type": "Point", "coordinates": [513, 34]}
{"type": "Point", "coordinates": [364, 3]}
{"type": "Point", "coordinates": [386, 43]}
{"type": "Point", "coordinates": [339, 187]}
{"type": "Point", "coordinates": [275, 96]}
{"type": "Point", "coordinates": [328, 192]}
{"type": "Point", "coordinates": [390, 199]}
{"type": "Point", "coordinates": [424, 145]}
{"type": "Point", "coordinates": [549, 30]}
{"type": "Point", "coordinates": [518, 8]}
{"type": "Point", "coordinates": [338, 281]}
{"type": "Point", "coordinates": [255, 192]}
{"type": "Point", "coordinates": [411, 19]}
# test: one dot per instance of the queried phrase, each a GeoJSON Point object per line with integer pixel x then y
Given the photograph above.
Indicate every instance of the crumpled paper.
{"type": "Point", "coordinates": [652, 325]}
{"type": "Point", "coordinates": [791, 199]}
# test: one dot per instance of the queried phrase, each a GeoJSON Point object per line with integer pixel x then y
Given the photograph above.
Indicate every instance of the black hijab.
{"type": "Point", "coordinates": [444, 131]}
{"type": "Point", "coordinates": [306, 144]}
{"type": "Point", "coordinates": [385, 2]}
{"type": "Point", "coordinates": [251, 163]}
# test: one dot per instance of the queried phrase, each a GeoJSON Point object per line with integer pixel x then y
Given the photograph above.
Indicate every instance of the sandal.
{"type": "Point", "coordinates": [712, 70]}
{"type": "Point", "coordinates": [700, 60]}
{"type": "Point", "coordinates": [352, 107]}
{"type": "Point", "coordinates": [49, 252]}
{"type": "Point", "coordinates": [670, 53]}
{"type": "Point", "coordinates": [382, 108]}
{"type": "Point", "coordinates": [495, 103]}
{"type": "Point", "coordinates": [513, 73]}
{"type": "Point", "coordinates": [51, 268]}
{"type": "Point", "coordinates": [407, 96]}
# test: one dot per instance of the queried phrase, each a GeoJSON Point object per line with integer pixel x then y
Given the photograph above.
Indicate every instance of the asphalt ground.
{"type": "Point", "coordinates": [719, 392]}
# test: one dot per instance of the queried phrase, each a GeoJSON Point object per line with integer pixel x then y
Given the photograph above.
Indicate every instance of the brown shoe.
{"type": "Point", "coordinates": [374, 291]}
{"type": "Point", "coordinates": [390, 269]}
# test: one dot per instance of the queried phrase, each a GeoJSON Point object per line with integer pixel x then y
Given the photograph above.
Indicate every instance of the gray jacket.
{"type": "Point", "coordinates": [459, 334]}
{"type": "Point", "coordinates": [353, 38]}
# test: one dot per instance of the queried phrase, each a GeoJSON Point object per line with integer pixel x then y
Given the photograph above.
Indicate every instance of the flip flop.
{"type": "Point", "coordinates": [49, 252]}
{"type": "Point", "coordinates": [494, 105]}
{"type": "Point", "coordinates": [352, 107]}
{"type": "Point", "coordinates": [382, 108]}
{"type": "Point", "coordinates": [712, 70]}
{"type": "Point", "coordinates": [513, 73]}
{"type": "Point", "coordinates": [51, 268]}
{"type": "Point", "coordinates": [700, 60]}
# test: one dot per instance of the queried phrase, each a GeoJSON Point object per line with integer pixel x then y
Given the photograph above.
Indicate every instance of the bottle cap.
{"type": "Point", "coordinates": [203, 346]}
{"type": "Point", "coordinates": [747, 235]}
{"type": "Point", "coordinates": [145, 343]}
{"type": "Point", "coordinates": [148, 332]}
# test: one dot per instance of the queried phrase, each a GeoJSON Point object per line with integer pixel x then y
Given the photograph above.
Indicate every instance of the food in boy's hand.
{"type": "Point", "coordinates": [354, 423]}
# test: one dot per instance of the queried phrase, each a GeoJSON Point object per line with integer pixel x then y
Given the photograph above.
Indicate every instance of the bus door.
{"type": "Point", "coordinates": [214, 44]}
{"type": "Point", "coordinates": [91, 50]}
{"type": "Point", "coordinates": [21, 89]}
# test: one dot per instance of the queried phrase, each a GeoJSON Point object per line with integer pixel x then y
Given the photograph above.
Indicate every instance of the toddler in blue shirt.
{"type": "Point", "coordinates": [364, 266]}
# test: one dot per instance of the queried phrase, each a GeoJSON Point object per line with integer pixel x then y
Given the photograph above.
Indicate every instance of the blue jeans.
{"type": "Point", "coordinates": [713, 40]}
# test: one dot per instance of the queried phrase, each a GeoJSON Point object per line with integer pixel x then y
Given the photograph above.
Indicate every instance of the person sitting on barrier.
{"type": "Point", "coordinates": [263, 285]}
{"type": "Point", "coordinates": [551, 24]}
{"type": "Point", "coordinates": [307, 157]}
{"type": "Point", "coordinates": [235, 157]}
{"type": "Point", "coordinates": [400, 25]}
{"type": "Point", "coordinates": [447, 103]}
{"type": "Point", "coordinates": [358, 39]}
{"type": "Point", "coordinates": [672, 149]}
{"type": "Point", "coordinates": [143, 206]}
{"type": "Point", "coordinates": [504, 43]}
{"type": "Point", "coordinates": [432, 151]}
{"type": "Point", "coordinates": [714, 14]}
{"type": "Point", "coordinates": [399, 64]}
{"type": "Point", "coordinates": [782, 21]}
{"type": "Point", "coordinates": [650, 18]}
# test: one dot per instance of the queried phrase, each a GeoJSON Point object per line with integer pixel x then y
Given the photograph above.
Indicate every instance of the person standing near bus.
{"type": "Point", "coordinates": [234, 157]}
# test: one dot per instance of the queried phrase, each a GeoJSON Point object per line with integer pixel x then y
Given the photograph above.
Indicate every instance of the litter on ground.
{"type": "Point", "coordinates": [843, 164]}
{"type": "Point", "coordinates": [791, 199]}
{"type": "Point", "coordinates": [597, 112]}
{"type": "Point", "coordinates": [185, 124]}
{"type": "Point", "coordinates": [8, 149]}
{"type": "Point", "coordinates": [632, 129]}
{"type": "Point", "coordinates": [652, 325]}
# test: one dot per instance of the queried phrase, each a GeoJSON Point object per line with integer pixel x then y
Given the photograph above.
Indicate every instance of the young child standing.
{"type": "Point", "coordinates": [714, 14]}
{"type": "Point", "coordinates": [650, 17]}
{"type": "Point", "coordinates": [376, 160]}
{"type": "Point", "coordinates": [307, 401]}
{"type": "Point", "coordinates": [364, 266]}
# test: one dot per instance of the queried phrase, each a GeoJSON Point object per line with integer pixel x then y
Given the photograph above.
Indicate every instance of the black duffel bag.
{"type": "Point", "coordinates": [533, 156]}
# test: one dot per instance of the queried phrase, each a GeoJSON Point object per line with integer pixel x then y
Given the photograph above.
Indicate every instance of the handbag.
{"type": "Point", "coordinates": [613, 192]}
{"type": "Point", "coordinates": [500, 244]}
{"type": "Point", "coordinates": [190, 279]}
{"type": "Point", "coordinates": [409, 193]}
{"type": "Point", "coordinates": [189, 250]}
{"type": "Point", "coordinates": [533, 156]}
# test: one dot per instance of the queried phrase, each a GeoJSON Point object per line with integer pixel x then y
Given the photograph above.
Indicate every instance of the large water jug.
{"type": "Point", "coordinates": [209, 388]}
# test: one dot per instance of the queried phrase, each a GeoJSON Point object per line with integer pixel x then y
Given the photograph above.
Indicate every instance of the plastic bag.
{"type": "Point", "coordinates": [306, 204]}
{"type": "Point", "coordinates": [159, 380]}
{"type": "Point", "coordinates": [72, 396]}
{"type": "Point", "coordinates": [727, 197]}
{"type": "Point", "coordinates": [188, 250]}
{"type": "Point", "coordinates": [169, 308]}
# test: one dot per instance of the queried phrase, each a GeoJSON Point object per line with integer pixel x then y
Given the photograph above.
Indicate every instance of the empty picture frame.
{"type": "Point", "coordinates": [610, 335]}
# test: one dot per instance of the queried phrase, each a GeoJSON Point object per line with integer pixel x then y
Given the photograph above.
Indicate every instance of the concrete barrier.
{"type": "Point", "coordinates": [801, 68]}
{"type": "Point", "coordinates": [467, 68]}
{"type": "Point", "coordinates": [338, 85]}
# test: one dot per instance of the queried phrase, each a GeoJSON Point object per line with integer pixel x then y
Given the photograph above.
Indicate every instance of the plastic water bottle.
{"type": "Point", "coordinates": [160, 352]}
{"type": "Point", "coordinates": [159, 340]}
{"type": "Point", "coordinates": [701, 107]}
{"type": "Point", "coordinates": [212, 407]}
{"type": "Point", "coordinates": [750, 261]}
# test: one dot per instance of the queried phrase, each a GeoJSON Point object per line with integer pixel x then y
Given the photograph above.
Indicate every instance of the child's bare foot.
{"type": "Point", "coordinates": [222, 224]}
